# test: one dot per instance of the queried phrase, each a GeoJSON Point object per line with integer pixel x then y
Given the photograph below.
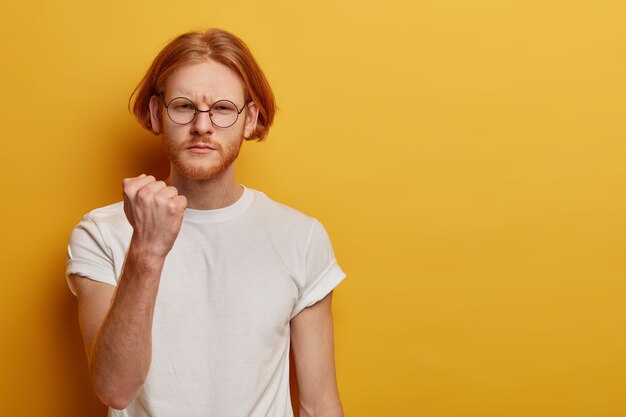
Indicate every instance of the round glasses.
{"type": "Point", "coordinates": [223, 113]}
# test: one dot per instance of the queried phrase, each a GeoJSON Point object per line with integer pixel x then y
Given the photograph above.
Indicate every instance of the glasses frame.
{"type": "Point", "coordinates": [197, 110]}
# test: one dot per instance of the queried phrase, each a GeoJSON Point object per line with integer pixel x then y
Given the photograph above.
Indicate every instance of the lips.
{"type": "Point", "coordinates": [200, 148]}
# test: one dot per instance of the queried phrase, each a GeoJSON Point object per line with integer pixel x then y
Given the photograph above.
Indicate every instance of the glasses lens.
{"type": "Point", "coordinates": [181, 110]}
{"type": "Point", "coordinates": [224, 113]}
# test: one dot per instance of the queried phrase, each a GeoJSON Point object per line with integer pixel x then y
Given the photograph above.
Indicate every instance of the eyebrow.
{"type": "Point", "coordinates": [209, 102]}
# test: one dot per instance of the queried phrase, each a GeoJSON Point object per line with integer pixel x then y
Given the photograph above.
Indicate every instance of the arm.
{"type": "Point", "coordinates": [117, 321]}
{"type": "Point", "coordinates": [313, 349]}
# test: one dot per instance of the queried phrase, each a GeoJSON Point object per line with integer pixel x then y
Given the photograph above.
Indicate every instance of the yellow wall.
{"type": "Point", "coordinates": [467, 158]}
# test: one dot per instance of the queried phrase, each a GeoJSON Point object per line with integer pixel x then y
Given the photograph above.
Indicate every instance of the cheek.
{"type": "Point", "coordinates": [173, 132]}
{"type": "Point", "coordinates": [170, 140]}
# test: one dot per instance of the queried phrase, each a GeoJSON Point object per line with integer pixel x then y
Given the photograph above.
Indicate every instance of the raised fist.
{"type": "Point", "coordinates": [155, 211]}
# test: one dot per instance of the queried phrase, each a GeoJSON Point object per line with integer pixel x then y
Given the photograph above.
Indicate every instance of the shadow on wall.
{"type": "Point", "coordinates": [143, 155]}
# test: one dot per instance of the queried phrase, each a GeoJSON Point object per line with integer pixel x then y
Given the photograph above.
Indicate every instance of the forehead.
{"type": "Point", "coordinates": [205, 82]}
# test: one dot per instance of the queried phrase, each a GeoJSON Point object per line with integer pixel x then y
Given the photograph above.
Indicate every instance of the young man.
{"type": "Point", "coordinates": [190, 291]}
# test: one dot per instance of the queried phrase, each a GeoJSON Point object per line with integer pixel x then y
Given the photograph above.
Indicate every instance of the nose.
{"type": "Point", "coordinates": [202, 123]}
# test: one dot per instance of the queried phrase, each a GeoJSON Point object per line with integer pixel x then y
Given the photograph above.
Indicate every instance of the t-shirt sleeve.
{"type": "Point", "coordinates": [89, 255]}
{"type": "Point", "coordinates": [321, 271]}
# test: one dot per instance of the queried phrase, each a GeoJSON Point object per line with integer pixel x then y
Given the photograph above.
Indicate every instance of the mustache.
{"type": "Point", "coordinates": [195, 142]}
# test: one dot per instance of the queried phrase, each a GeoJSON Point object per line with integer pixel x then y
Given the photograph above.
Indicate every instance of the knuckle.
{"type": "Point", "coordinates": [174, 208]}
{"type": "Point", "coordinates": [127, 183]}
{"type": "Point", "coordinates": [128, 193]}
{"type": "Point", "coordinates": [143, 194]}
{"type": "Point", "coordinates": [176, 205]}
{"type": "Point", "coordinates": [160, 200]}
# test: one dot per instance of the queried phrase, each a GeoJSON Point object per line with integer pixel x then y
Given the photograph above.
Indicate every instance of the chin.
{"type": "Point", "coordinates": [200, 171]}
{"type": "Point", "coordinates": [206, 167]}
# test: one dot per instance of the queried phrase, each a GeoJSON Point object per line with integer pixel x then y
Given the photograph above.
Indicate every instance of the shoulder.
{"type": "Point", "coordinates": [107, 221]}
{"type": "Point", "coordinates": [280, 215]}
{"type": "Point", "coordinates": [110, 217]}
{"type": "Point", "coordinates": [97, 245]}
{"type": "Point", "coordinates": [108, 214]}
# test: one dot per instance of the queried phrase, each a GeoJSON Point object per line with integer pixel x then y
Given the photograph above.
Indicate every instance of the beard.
{"type": "Point", "coordinates": [202, 167]}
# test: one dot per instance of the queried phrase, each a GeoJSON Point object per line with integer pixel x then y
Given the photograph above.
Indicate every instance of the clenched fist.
{"type": "Point", "coordinates": [155, 211]}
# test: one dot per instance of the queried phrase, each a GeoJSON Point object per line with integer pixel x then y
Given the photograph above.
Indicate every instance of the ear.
{"type": "Point", "coordinates": [155, 114]}
{"type": "Point", "coordinates": [252, 116]}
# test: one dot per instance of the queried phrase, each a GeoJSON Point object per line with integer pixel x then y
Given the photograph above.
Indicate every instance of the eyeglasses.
{"type": "Point", "coordinates": [182, 111]}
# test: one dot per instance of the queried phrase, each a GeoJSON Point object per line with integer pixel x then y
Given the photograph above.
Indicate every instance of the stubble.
{"type": "Point", "coordinates": [205, 166]}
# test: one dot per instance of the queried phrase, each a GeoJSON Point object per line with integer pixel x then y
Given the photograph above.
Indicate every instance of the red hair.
{"type": "Point", "coordinates": [193, 47]}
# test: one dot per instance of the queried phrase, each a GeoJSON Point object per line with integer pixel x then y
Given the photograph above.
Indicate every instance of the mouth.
{"type": "Point", "coordinates": [200, 148]}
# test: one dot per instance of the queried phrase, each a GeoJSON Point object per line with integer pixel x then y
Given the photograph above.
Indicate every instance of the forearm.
{"type": "Point", "coordinates": [314, 356]}
{"type": "Point", "coordinates": [329, 410]}
{"type": "Point", "coordinates": [120, 357]}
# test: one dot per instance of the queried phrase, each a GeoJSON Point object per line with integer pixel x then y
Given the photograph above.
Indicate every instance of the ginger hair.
{"type": "Point", "coordinates": [194, 47]}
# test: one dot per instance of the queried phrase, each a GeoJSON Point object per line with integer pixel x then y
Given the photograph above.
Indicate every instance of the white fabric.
{"type": "Point", "coordinates": [230, 286]}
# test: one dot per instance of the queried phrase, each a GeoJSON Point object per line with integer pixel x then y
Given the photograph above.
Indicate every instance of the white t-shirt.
{"type": "Point", "coordinates": [232, 282]}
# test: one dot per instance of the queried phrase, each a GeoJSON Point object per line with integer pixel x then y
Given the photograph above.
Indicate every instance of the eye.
{"type": "Point", "coordinates": [223, 107]}
{"type": "Point", "coordinates": [182, 105]}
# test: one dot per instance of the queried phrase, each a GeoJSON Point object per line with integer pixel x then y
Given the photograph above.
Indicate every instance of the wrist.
{"type": "Point", "coordinates": [145, 257]}
{"type": "Point", "coordinates": [147, 250]}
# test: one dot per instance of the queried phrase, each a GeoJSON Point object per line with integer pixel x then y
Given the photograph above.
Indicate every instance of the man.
{"type": "Point", "coordinates": [190, 291]}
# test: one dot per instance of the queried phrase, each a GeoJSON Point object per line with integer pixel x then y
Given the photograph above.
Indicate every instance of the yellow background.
{"type": "Point", "coordinates": [466, 157]}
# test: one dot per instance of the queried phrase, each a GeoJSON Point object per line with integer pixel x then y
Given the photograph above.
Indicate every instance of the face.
{"type": "Point", "coordinates": [200, 150]}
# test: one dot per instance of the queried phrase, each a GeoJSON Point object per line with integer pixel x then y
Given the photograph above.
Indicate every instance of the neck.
{"type": "Point", "coordinates": [208, 194]}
